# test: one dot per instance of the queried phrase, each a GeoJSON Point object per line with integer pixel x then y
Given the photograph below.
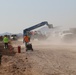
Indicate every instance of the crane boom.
{"type": "Point", "coordinates": [37, 26]}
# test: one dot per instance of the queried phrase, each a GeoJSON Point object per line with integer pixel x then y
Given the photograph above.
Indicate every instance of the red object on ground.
{"type": "Point", "coordinates": [19, 49]}
{"type": "Point", "coordinates": [10, 47]}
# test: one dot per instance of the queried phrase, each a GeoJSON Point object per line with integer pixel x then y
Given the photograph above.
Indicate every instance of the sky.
{"type": "Point", "coordinates": [17, 15]}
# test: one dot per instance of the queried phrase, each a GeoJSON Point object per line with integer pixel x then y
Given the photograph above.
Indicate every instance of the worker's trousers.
{"type": "Point", "coordinates": [26, 44]}
{"type": "Point", "coordinates": [5, 45]}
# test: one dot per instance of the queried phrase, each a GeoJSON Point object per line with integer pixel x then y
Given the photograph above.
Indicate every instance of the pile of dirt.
{"type": "Point", "coordinates": [14, 65]}
{"type": "Point", "coordinates": [9, 51]}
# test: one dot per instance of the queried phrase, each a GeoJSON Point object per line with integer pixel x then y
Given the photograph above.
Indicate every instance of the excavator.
{"type": "Point", "coordinates": [28, 30]}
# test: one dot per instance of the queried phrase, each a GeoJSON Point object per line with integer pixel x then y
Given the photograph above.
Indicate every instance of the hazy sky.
{"type": "Point", "coordinates": [16, 15]}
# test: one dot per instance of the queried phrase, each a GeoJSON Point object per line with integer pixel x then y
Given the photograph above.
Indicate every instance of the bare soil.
{"type": "Point", "coordinates": [46, 59]}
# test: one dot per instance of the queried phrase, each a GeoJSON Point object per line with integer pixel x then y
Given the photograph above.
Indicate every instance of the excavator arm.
{"type": "Point", "coordinates": [27, 30]}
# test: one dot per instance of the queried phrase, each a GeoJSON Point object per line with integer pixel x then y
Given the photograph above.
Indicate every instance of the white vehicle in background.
{"type": "Point", "coordinates": [13, 37]}
{"type": "Point", "coordinates": [68, 37]}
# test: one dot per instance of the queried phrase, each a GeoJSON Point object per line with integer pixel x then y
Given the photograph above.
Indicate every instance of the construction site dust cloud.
{"type": "Point", "coordinates": [56, 41]}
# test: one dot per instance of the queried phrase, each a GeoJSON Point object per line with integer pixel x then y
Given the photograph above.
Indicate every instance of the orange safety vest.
{"type": "Point", "coordinates": [26, 38]}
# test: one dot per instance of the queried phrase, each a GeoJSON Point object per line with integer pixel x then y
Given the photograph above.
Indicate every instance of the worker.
{"type": "Point", "coordinates": [6, 41]}
{"type": "Point", "coordinates": [26, 40]}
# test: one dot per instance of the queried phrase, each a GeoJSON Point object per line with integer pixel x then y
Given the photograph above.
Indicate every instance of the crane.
{"type": "Point", "coordinates": [27, 30]}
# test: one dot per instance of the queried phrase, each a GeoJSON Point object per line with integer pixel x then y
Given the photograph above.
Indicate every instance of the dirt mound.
{"type": "Point", "coordinates": [8, 51]}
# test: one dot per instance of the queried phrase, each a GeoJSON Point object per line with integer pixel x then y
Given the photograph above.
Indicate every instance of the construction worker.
{"type": "Point", "coordinates": [6, 41]}
{"type": "Point", "coordinates": [26, 40]}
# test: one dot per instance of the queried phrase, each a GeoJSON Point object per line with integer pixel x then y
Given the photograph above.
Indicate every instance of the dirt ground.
{"type": "Point", "coordinates": [46, 59]}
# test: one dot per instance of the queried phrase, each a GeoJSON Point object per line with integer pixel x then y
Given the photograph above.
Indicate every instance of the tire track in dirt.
{"type": "Point", "coordinates": [53, 62]}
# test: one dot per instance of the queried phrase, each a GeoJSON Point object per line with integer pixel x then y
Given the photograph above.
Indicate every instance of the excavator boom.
{"type": "Point", "coordinates": [25, 31]}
